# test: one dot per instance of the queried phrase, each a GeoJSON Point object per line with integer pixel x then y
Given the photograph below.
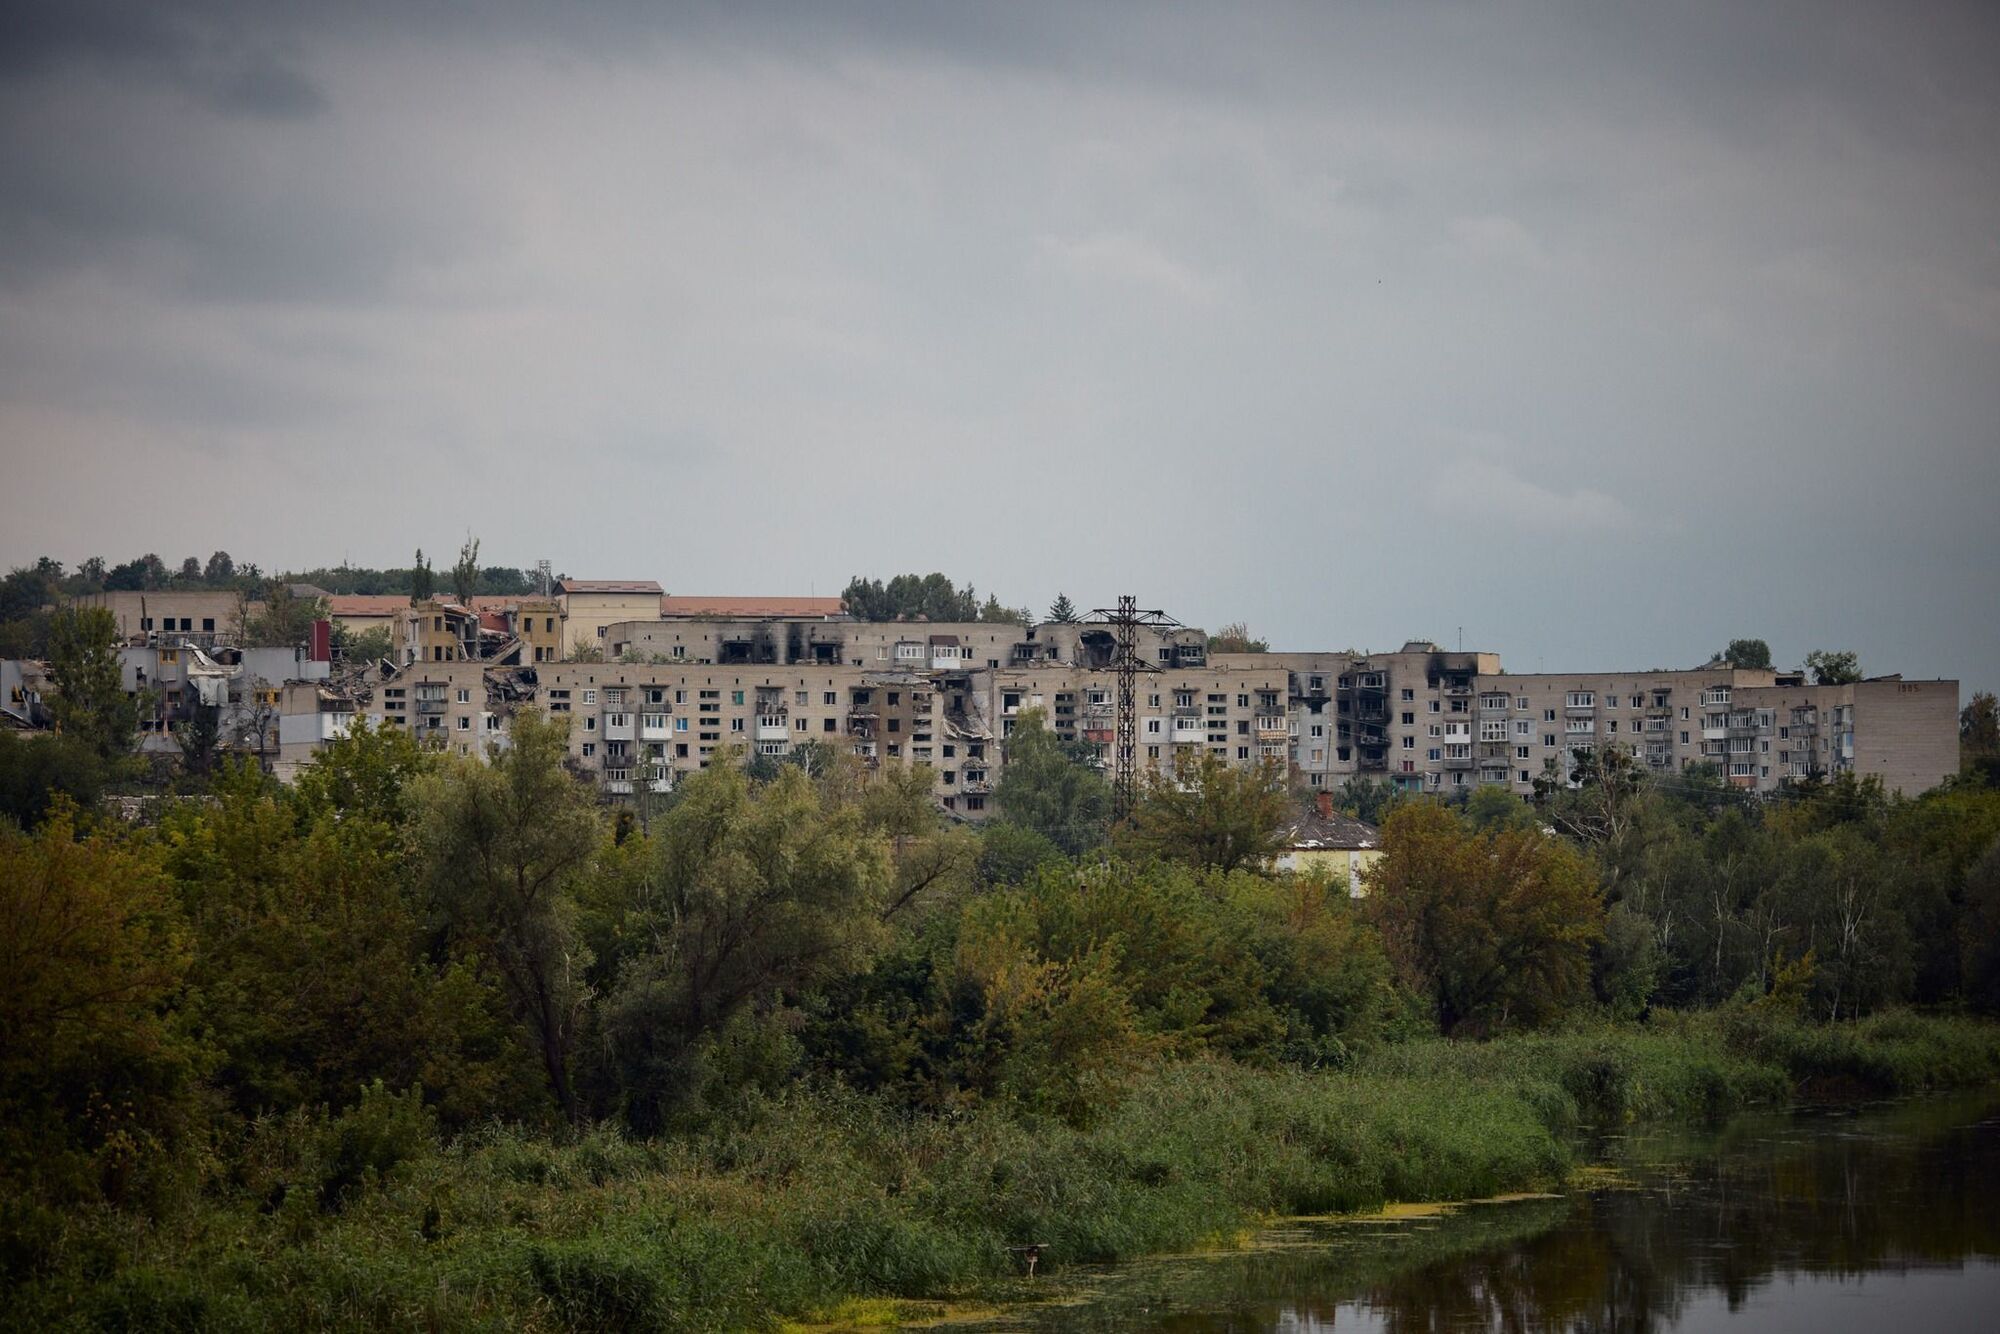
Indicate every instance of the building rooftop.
{"type": "Point", "coordinates": [1319, 826]}
{"type": "Point", "coordinates": [609, 586]}
{"type": "Point", "coordinates": [367, 604]}
{"type": "Point", "coordinates": [748, 608]}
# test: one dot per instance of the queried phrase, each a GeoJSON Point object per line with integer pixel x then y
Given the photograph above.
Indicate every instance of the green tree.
{"type": "Point", "coordinates": [465, 574]}
{"type": "Point", "coordinates": [200, 740]}
{"type": "Point", "coordinates": [755, 892]}
{"type": "Point", "coordinates": [97, 1084]}
{"type": "Point", "coordinates": [27, 589]}
{"type": "Point", "coordinates": [1493, 806]}
{"type": "Point", "coordinates": [502, 847]}
{"type": "Point", "coordinates": [1495, 930]}
{"type": "Point", "coordinates": [423, 583]}
{"type": "Point", "coordinates": [1842, 902]}
{"type": "Point", "coordinates": [995, 614]}
{"type": "Point", "coordinates": [282, 619]}
{"type": "Point", "coordinates": [1048, 786]}
{"type": "Point", "coordinates": [219, 571]}
{"type": "Point", "coordinates": [1978, 933]}
{"type": "Point", "coordinates": [366, 648]}
{"type": "Point", "coordinates": [1368, 799]}
{"type": "Point", "coordinates": [1062, 610]}
{"type": "Point", "coordinates": [314, 970]}
{"type": "Point", "coordinates": [1752, 653]}
{"type": "Point", "coordinates": [1979, 736]}
{"type": "Point", "coordinates": [815, 758]}
{"type": "Point", "coordinates": [367, 773]}
{"type": "Point", "coordinates": [1009, 853]}
{"type": "Point", "coordinates": [930, 596]}
{"type": "Point", "coordinates": [90, 701]}
{"type": "Point", "coordinates": [1210, 815]}
{"type": "Point", "coordinates": [37, 773]}
{"type": "Point", "coordinates": [1833, 668]}
{"type": "Point", "coordinates": [1074, 976]}
{"type": "Point", "coordinates": [1325, 972]}
{"type": "Point", "coordinates": [27, 594]}
{"type": "Point", "coordinates": [146, 573]}
{"type": "Point", "coordinates": [1235, 638]}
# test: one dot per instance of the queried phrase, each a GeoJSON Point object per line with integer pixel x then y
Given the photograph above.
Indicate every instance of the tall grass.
{"type": "Point", "coordinates": [824, 1195]}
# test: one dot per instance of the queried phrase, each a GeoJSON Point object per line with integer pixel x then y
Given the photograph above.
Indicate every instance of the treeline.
{"type": "Point", "coordinates": [27, 587]}
{"type": "Point", "coordinates": [1837, 895]}
{"type": "Point", "coordinates": [930, 597]}
{"type": "Point", "coordinates": [241, 1023]}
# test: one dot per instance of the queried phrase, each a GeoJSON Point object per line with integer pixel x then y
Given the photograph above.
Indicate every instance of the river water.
{"type": "Point", "coordinates": [1826, 1221]}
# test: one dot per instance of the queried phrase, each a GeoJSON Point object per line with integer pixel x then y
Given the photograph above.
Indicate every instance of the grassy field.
{"type": "Point", "coordinates": [824, 1197]}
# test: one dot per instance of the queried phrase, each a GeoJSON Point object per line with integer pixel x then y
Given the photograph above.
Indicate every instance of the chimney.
{"type": "Point", "coordinates": [1325, 800]}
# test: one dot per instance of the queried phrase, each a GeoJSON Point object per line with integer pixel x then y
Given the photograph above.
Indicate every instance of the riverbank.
{"type": "Point", "coordinates": [821, 1198]}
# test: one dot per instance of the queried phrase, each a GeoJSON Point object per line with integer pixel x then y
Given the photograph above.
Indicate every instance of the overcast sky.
{"type": "Point", "coordinates": [1604, 337]}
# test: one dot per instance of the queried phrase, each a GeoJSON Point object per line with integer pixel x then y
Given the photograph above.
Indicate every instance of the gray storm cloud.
{"type": "Point", "coordinates": [1604, 336]}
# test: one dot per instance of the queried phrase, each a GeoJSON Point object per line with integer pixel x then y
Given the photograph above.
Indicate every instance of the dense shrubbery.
{"type": "Point", "coordinates": [794, 1039]}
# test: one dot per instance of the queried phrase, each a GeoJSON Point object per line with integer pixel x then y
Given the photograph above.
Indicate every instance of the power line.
{"type": "Point", "coordinates": [1124, 621]}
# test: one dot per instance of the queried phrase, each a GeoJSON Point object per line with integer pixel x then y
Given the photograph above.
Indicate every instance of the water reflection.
{"type": "Point", "coordinates": [1825, 1222]}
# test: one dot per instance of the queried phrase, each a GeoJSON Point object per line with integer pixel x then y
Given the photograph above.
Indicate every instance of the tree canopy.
{"type": "Point", "coordinates": [931, 597]}
{"type": "Point", "coordinates": [1754, 653]}
{"type": "Point", "coordinates": [1830, 667]}
{"type": "Point", "coordinates": [1050, 787]}
{"type": "Point", "coordinates": [1210, 814]}
{"type": "Point", "coordinates": [90, 703]}
{"type": "Point", "coordinates": [1235, 637]}
{"type": "Point", "coordinates": [1495, 929]}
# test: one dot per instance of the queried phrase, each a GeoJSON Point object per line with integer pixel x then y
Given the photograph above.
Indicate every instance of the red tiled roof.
{"type": "Point", "coordinates": [749, 608]}
{"type": "Point", "coordinates": [609, 586]}
{"type": "Point", "coordinates": [366, 604]}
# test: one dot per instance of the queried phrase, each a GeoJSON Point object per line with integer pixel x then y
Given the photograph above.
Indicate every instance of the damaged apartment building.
{"type": "Point", "coordinates": [654, 687]}
{"type": "Point", "coordinates": [181, 656]}
{"type": "Point", "coordinates": [706, 678]}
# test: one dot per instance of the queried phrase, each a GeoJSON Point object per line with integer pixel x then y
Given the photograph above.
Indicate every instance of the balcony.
{"type": "Point", "coordinates": [773, 732]}
{"type": "Point", "coordinates": [1458, 761]}
{"type": "Point", "coordinates": [618, 727]}
{"type": "Point", "coordinates": [432, 706]}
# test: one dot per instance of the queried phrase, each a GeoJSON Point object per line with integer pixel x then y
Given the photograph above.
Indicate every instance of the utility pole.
{"type": "Point", "coordinates": [1124, 621]}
